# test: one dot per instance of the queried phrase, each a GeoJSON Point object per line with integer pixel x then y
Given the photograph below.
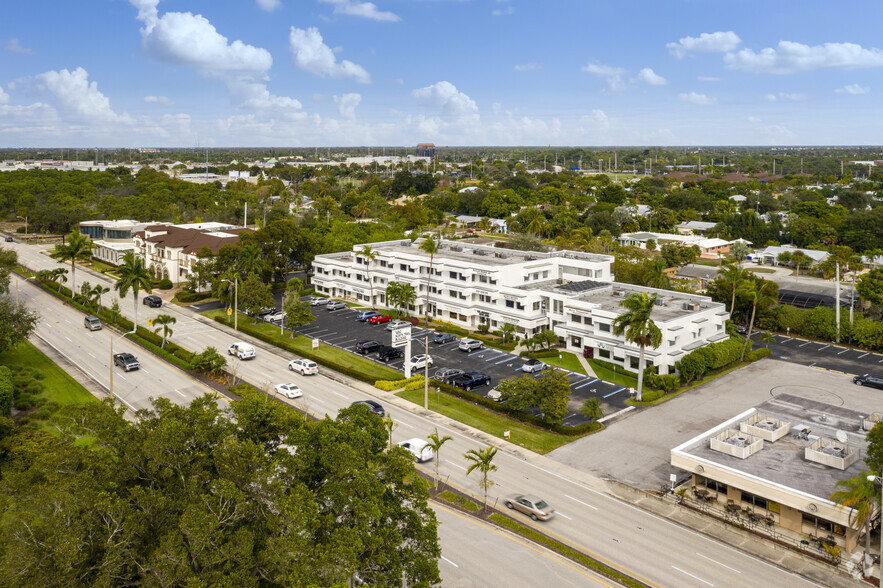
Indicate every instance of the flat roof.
{"type": "Point", "coordinates": [672, 307]}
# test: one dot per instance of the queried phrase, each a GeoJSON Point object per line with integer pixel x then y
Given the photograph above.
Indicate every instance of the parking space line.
{"type": "Point", "coordinates": [496, 357]}
{"type": "Point", "coordinates": [504, 361]}
{"type": "Point", "coordinates": [842, 352]}
{"type": "Point", "coordinates": [786, 339]}
{"type": "Point", "coordinates": [862, 355]}
{"type": "Point", "coordinates": [586, 384]}
{"type": "Point", "coordinates": [807, 343]}
{"type": "Point", "coordinates": [614, 392]}
{"type": "Point", "coordinates": [825, 347]}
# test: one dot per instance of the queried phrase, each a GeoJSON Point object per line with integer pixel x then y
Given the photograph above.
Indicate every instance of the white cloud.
{"type": "Point", "coordinates": [157, 100]}
{"type": "Point", "coordinates": [789, 57]}
{"type": "Point", "coordinates": [854, 89]}
{"type": "Point", "coordinates": [4, 97]}
{"type": "Point", "coordinates": [14, 46]}
{"type": "Point", "coordinates": [793, 97]}
{"type": "Point", "coordinates": [454, 104]}
{"type": "Point", "coordinates": [708, 79]}
{"type": "Point", "coordinates": [346, 104]}
{"type": "Point", "coordinates": [706, 42]}
{"type": "Point", "coordinates": [269, 5]}
{"type": "Point", "coordinates": [648, 76]}
{"type": "Point", "coordinates": [503, 11]}
{"type": "Point", "coordinates": [697, 98]}
{"type": "Point", "coordinates": [77, 97]}
{"type": "Point", "coordinates": [612, 75]}
{"type": "Point", "coordinates": [529, 66]}
{"type": "Point", "coordinates": [362, 9]}
{"type": "Point", "coordinates": [769, 97]}
{"type": "Point", "coordinates": [314, 56]}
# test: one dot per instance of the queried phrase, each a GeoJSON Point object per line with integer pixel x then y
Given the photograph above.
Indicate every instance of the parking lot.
{"type": "Point", "coordinates": [341, 329]}
{"type": "Point", "coordinates": [827, 356]}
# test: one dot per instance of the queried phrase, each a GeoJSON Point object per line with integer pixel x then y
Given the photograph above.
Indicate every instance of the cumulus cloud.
{"type": "Point", "coordinates": [367, 10]}
{"type": "Point", "coordinates": [157, 100]}
{"type": "Point", "coordinates": [346, 104]}
{"type": "Point", "coordinates": [854, 89]}
{"type": "Point", "coordinates": [648, 76]}
{"type": "Point", "coordinates": [529, 66]}
{"type": "Point", "coordinates": [789, 57]}
{"type": "Point", "coordinates": [706, 42]}
{"type": "Point", "coordinates": [269, 5]}
{"type": "Point", "coordinates": [314, 56]}
{"type": "Point", "coordinates": [612, 75]}
{"type": "Point", "coordinates": [77, 97]}
{"type": "Point", "coordinates": [14, 46]}
{"type": "Point", "coordinates": [445, 96]}
{"type": "Point", "coordinates": [696, 98]}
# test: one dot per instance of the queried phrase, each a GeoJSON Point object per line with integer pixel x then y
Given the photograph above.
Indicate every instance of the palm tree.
{"type": "Point", "coordinates": [482, 460]}
{"type": "Point", "coordinates": [250, 261]}
{"type": "Point", "coordinates": [431, 247]}
{"type": "Point", "coordinates": [733, 277]}
{"type": "Point", "coordinates": [78, 247]}
{"type": "Point", "coordinates": [134, 276]}
{"type": "Point", "coordinates": [655, 276]}
{"type": "Point", "coordinates": [535, 227]}
{"type": "Point", "coordinates": [162, 321]}
{"type": "Point", "coordinates": [393, 292]}
{"type": "Point", "coordinates": [591, 409]}
{"type": "Point", "coordinates": [59, 275]}
{"type": "Point", "coordinates": [638, 327]}
{"type": "Point", "coordinates": [407, 296]}
{"type": "Point", "coordinates": [767, 338]}
{"type": "Point", "coordinates": [758, 291]}
{"type": "Point", "coordinates": [96, 293]}
{"type": "Point", "coordinates": [799, 258]}
{"type": "Point", "coordinates": [859, 495]}
{"type": "Point", "coordinates": [370, 256]}
{"type": "Point", "coordinates": [436, 442]}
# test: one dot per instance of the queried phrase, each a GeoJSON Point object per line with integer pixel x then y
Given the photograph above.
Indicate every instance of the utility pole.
{"type": "Point", "coordinates": [837, 301]}
{"type": "Point", "coordinates": [426, 375]}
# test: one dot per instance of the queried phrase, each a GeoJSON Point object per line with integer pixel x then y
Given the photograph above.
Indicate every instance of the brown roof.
{"type": "Point", "coordinates": [190, 240]}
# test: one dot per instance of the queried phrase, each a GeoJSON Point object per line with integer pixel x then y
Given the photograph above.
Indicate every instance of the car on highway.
{"type": "Point", "coordinates": [392, 326]}
{"type": "Point", "coordinates": [387, 353]}
{"type": "Point", "coordinates": [443, 338]}
{"type": "Point", "coordinates": [418, 362]}
{"type": "Point", "coordinates": [366, 347]}
{"type": "Point", "coordinates": [335, 305]}
{"type": "Point", "coordinates": [304, 367]}
{"type": "Point", "coordinates": [419, 448]}
{"type": "Point", "coordinates": [9, 239]}
{"type": "Point", "coordinates": [153, 301]}
{"type": "Point", "coordinates": [373, 406]}
{"type": "Point", "coordinates": [868, 380]}
{"type": "Point", "coordinates": [470, 380]}
{"type": "Point", "coordinates": [364, 315]}
{"type": "Point", "coordinates": [288, 390]}
{"type": "Point", "coordinates": [533, 506]}
{"type": "Point", "coordinates": [445, 374]}
{"type": "Point", "coordinates": [91, 322]}
{"type": "Point", "coordinates": [533, 365]}
{"type": "Point", "coordinates": [470, 345]}
{"type": "Point", "coordinates": [379, 319]}
{"type": "Point", "coordinates": [242, 350]}
{"type": "Point", "coordinates": [317, 300]}
{"type": "Point", "coordinates": [127, 361]}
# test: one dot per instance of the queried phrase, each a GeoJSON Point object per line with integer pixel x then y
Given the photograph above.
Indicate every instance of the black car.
{"type": "Point", "coordinates": [373, 407]}
{"type": "Point", "coordinates": [9, 239]}
{"type": "Point", "coordinates": [470, 380]}
{"type": "Point", "coordinates": [127, 361]}
{"type": "Point", "coordinates": [741, 329]}
{"type": "Point", "coordinates": [366, 347]}
{"type": "Point", "coordinates": [387, 353]}
{"type": "Point", "coordinates": [870, 381]}
{"type": "Point", "coordinates": [152, 301]}
{"type": "Point", "coordinates": [443, 338]}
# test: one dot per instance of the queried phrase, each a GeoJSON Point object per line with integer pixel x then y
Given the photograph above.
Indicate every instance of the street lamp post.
{"type": "Point", "coordinates": [426, 374]}
{"type": "Point", "coordinates": [872, 478]}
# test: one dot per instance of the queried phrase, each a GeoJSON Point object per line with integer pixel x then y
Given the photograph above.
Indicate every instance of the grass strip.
{"type": "Point", "coordinates": [566, 550]}
{"type": "Point", "coordinates": [567, 361]}
{"type": "Point", "coordinates": [602, 370]}
{"type": "Point", "coordinates": [459, 501]}
{"type": "Point", "coordinates": [59, 386]}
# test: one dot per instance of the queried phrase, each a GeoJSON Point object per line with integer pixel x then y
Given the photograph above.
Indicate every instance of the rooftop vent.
{"type": "Point", "coordinates": [835, 454]}
{"type": "Point", "coordinates": [690, 306]}
{"type": "Point", "coordinates": [660, 302]}
{"type": "Point", "coordinates": [736, 443]}
{"type": "Point", "coordinates": [767, 428]}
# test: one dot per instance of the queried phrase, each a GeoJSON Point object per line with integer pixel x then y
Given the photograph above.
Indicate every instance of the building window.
{"type": "Point", "coordinates": [510, 304]}
{"type": "Point", "coordinates": [558, 306]}
{"type": "Point", "coordinates": [576, 318]}
{"type": "Point", "coordinates": [633, 362]}
{"type": "Point", "coordinates": [452, 275]}
{"type": "Point", "coordinates": [821, 525]}
{"type": "Point", "coordinates": [576, 342]}
{"type": "Point", "coordinates": [545, 274]}
{"type": "Point", "coordinates": [757, 501]}
{"type": "Point", "coordinates": [604, 327]}
{"type": "Point", "coordinates": [711, 485]}
{"type": "Point", "coordinates": [536, 305]}
{"type": "Point", "coordinates": [605, 353]}
{"type": "Point", "coordinates": [452, 314]}
{"type": "Point", "coordinates": [599, 273]}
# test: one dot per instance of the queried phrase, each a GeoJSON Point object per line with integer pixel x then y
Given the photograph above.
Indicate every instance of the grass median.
{"type": "Point", "coordinates": [567, 361]}
{"type": "Point", "coordinates": [603, 371]}
{"type": "Point", "coordinates": [495, 424]}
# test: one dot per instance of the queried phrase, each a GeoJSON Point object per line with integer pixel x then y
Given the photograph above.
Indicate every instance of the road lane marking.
{"type": "Point", "coordinates": [450, 562]}
{"type": "Point", "coordinates": [456, 466]}
{"type": "Point", "coordinates": [614, 392]}
{"type": "Point", "coordinates": [145, 371]}
{"type": "Point", "coordinates": [68, 339]}
{"type": "Point", "coordinates": [842, 352]}
{"type": "Point", "coordinates": [692, 576]}
{"type": "Point", "coordinates": [812, 364]}
{"type": "Point", "coordinates": [561, 514]}
{"type": "Point", "coordinates": [404, 424]}
{"type": "Point", "coordinates": [786, 339]}
{"type": "Point", "coordinates": [586, 384]}
{"type": "Point", "coordinates": [180, 394]}
{"type": "Point", "coordinates": [90, 355]}
{"type": "Point", "coordinates": [580, 501]}
{"type": "Point", "coordinates": [123, 377]}
{"type": "Point", "coordinates": [718, 563]}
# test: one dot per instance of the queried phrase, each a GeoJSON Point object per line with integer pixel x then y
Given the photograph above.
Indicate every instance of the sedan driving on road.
{"type": "Point", "coordinates": [152, 301]}
{"type": "Point", "coordinates": [443, 338]}
{"type": "Point", "coordinates": [419, 448]}
{"type": "Point", "coordinates": [373, 407]}
{"type": "Point", "coordinates": [869, 381]}
{"type": "Point", "coordinates": [289, 390]}
{"type": "Point", "coordinates": [533, 365]}
{"type": "Point", "coordinates": [304, 367]}
{"type": "Point", "coordinates": [470, 345]}
{"type": "Point", "coordinates": [378, 319]}
{"type": "Point", "coordinates": [533, 506]}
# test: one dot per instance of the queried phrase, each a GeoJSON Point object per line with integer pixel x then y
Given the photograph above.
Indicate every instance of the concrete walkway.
{"type": "Point", "coordinates": [585, 363]}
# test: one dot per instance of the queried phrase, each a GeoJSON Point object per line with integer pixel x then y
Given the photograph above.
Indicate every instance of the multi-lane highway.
{"type": "Point", "coordinates": [660, 552]}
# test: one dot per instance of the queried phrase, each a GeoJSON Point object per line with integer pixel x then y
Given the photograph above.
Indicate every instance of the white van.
{"type": "Point", "coordinates": [242, 350]}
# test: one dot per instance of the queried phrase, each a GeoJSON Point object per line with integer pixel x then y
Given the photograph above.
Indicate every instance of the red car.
{"type": "Point", "coordinates": [379, 318]}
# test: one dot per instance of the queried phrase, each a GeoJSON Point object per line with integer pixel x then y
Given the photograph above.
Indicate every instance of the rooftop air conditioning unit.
{"type": "Point", "coordinates": [660, 302]}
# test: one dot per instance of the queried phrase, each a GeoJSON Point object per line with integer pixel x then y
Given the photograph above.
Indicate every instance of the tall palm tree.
{"type": "Point", "coordinates": [638, 327]}
{"type": "Point", "coordinates": [162, 321]}
{"type": "Point", "coordinates": [393, 292]}
{"type": "Point", "coordinates": [482, 460]}
{"type": "Point", "coordinates": [758, 291]}
{"type": "Point", "coordinates": [858, 494]}
{"type": "Point", "coordinates": [733, 277]}
{"type": "Point", "coordinates": [96, 293]}
{"type": "Point", "coordinates": [429, 246]}
{"type": "Point", "coordinates": [436, 442]}
{"type": "Point", "coordinates": [134, 276]}
{"type": "Point", "coordinates": [77, 248]}
{"type": "Point", "coordinates": [407, 296]}
{"type": "Point", "coordinates": [655, 276]}
{"type": "Point", "coordinates": [370, 256]}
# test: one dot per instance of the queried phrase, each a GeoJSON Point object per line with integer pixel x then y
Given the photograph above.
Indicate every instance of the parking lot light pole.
{"type": "Point", "coordinates": [426, 375]}
{"type": "Point", "coordinates": [872, 478]}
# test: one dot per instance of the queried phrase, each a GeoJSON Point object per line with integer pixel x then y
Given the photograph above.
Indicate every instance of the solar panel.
{"type": "Point", "coordinates": [583, 286]}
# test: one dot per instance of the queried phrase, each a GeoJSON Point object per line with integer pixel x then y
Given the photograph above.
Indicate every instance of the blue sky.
{"type": "Point", "coordinates": [452, 72]}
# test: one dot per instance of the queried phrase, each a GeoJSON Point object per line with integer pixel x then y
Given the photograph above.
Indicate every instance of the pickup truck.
{"type": "Point", "coordinates": [470, 380]}
{"type": "Point", "coordinates": [127, 361]}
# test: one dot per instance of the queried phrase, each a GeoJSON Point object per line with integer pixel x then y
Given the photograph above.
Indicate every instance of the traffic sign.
{"type": "Point", "coordinates": [315, 343]}
{"type": "Point", "coordinates": [229, 311]}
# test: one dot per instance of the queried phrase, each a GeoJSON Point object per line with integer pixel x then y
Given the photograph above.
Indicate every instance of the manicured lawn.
{"type": "Point", "coordinates": [482, 419]}
{"type": "Point", "coordinates": [606, 373]}
{"type": "Point", "coordinates": [761, 270]}
{"type": "Point", "coordinates": [568, 361]}
{"type": "Point", "coordinates": [58, 385]}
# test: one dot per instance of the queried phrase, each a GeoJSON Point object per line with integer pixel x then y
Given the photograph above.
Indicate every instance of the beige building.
{"type": "Point", "coordinates": [169, 251]}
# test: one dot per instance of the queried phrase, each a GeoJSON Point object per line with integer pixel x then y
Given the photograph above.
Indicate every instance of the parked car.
{"type": "Point", "coordinates": [335, 305]}
{"type": "Point", "coordinates": [418, 362]}
{"type": "Point", "coordinates": [533, 365]}
{"type": "Point", "coordinates": [741, 329]}
{"type": "Point", "coordinates": [93, 323]}
{"type": "Point", "coordinates": [870, 381]}
{"type": "Point", "coordinates": [392, 326]}
{"type": "Point", "coordinates": [152, 301]}
{"type": "Point", "coordinates": [289, 390]}
{"type": "Point", "coordinates": [470, 345]}
{"type": "Point", "coordinates": [378, 319]}
{"type": "Point", "coordinates": [373, 407]}
{"type": "Point", "coordinates": [470, 380]}
{"type": "Point", "coordinates": [241, 350]}
{"type": "Point", "coordinates": [443, 338]}
{"type": "Point", "coordinates": [387, 353]}
{"type": "Point", "coordinates": [419, 448]}
{"type": "Point", "coordinates": [445, 374]}
{"type": "Point", "coordinates": [263, 312]}
{"type": "Point", "coordinates": [317, 301]}
{"type": "Point", "coordinates": [127, 361]}
{"type": "Point", "coordinates": [364, 315]}
{"type": "Point", "coordinates": [274, 316]}
{"type": "Point", "coordinates": [9, 239]}
{"type": "Point", "coordinates": [366, 347]}
{"type": "Point", "coordinates": [304, 367]}
{"type": "Point", "coordinates": [533, 506]}
{"type": "Point", "coordinates": [495, 395]}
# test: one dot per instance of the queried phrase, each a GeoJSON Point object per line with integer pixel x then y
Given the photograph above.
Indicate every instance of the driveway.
{"type": "Point", "coordinates": [822, 355]}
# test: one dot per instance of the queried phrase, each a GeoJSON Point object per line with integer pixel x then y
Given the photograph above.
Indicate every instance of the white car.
{"type": "Point", "coordinates": [289, 390]}
{"type": "Point", "coordinates": [419, 448]}
{"type": "Point", "coordinates": [393, 325]}
{"type": "Point", "coordinates": [304, 367]}
{"type": "Point", "coordinates": [418, 362]}
{"type": "Point", "coordinates": [533, 365]}
{"type": "Point", "coordinates": [274, 316]}
{"type": "Point", "coordinates": [470, 344]}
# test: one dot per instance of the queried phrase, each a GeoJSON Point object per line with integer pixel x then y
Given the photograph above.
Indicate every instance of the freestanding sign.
{"type": "Point", "coordinates": [401, 336]}
{"type": "Point", "coordinates": [315, 343]}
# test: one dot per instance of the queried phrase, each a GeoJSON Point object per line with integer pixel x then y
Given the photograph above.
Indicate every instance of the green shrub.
{"type": "Point", "coordinates": [483, 328]}
{"type": "Point", "coordinates": [417, 384]}
{"type": "Point", "coordinates": [7, 391]}
{"type": "Point", "coordinates": [757, 354]}
{"type": "Point", "coordinates": [186, 296]}
{"type": "Point", "coordinates": [540, 354]}
{"type": "Point", "coordinates": [651, 395]}
{"type": "Point", "coordinates": [389, 385]}
{"type": "Point", "coordinates": [666, 383]}
{"type": "Point", "coordinates": [165, 284]}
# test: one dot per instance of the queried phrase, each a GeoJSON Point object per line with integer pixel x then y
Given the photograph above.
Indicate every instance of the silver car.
{"type": "Point", "coordinates": [533, 506]}
{"type": "Point", "coordinates": [335, 305]}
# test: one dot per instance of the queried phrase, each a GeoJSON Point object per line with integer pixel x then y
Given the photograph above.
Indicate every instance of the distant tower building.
{"type": "Point", "coordinates": [425, 149]}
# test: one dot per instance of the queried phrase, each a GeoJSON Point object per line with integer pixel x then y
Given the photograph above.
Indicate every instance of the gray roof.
{"type": "Point", "coordinates": [775, 250]}
{"type": "Point", "coordinates": [698, 225]}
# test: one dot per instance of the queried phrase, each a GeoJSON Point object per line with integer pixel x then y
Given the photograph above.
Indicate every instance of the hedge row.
{"type": "Point", "coordinates": [821, 323]}
{"type": "Point", "coordinates": [540, 354]}
{"type": "Point", "coordinates": [710, 358]}
{"type": "Point", "coordinates": [757, 354]}
{"type": "Point", "coordinates": [390, 385]}
{"type": "Point", "coordinates": [186, 296]}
